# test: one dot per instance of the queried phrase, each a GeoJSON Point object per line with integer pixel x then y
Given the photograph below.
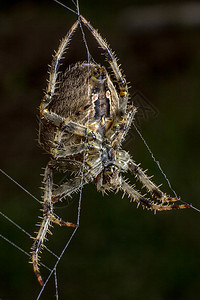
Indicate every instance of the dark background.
{"type": "Point", "coordinates": [119, 252]}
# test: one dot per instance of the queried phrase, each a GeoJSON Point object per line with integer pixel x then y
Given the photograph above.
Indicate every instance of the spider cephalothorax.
{"type": "Point", "coordinates": [84, 119]}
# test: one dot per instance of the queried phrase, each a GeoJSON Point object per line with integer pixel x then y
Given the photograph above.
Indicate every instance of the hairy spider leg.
{"type": "Point", "coordinates": [146, 203]}
{"type": "Point", "coordinates": [67, 188]}
{"type": "Point", "coordinates": [151, 187]}
{"type": "Point", "coordinates": [67, 164]}
{"type": "Point", "coordinates": [59, 149]}
{"type": "Point", "coordinates": [123, 127]}
{"type": "Point", "coordinates": [68, 150]}
{"type": "Point", "coordinates": [53, 72]}
{"type": "Point", "coordinates": [48, 218]}
{"type": "Point", "coordinates": [112, 60]}
{"type": "Point", "coordinates": [52, 81]}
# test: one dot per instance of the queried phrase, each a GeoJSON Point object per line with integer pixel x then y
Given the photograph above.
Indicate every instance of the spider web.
{"type": "Point", "coordinates": [53, 270]}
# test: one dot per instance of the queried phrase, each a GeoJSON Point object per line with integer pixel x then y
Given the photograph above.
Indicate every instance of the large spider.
{"type": "Point", "coordinates": [84, 118]}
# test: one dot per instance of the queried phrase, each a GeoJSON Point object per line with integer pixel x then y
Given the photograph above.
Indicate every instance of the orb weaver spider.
{"type": "Point", "coordinates": [84, 118]}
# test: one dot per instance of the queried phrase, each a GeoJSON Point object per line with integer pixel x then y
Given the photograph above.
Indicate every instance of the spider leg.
{"type": "Point", "coordinates": [78, 129]}
{"type": "Point", "coordinates": [65, 164]}
{"type": "Point", "coordinates": [60, 147]}
{"type": "Point", "coordinates": [53, 72]}
{"type": "Point", "coordinates": [152, 188]}
{"type": "Point", "coordinates": [51, 117]}
{"type": "Point", "coordinates": [123, 127]}
{"type": "Point", "coordinates": [66, 126]}
{"type": "Point", "coordinates": [48, 218]}
{"type": "Point", "coordinates": [110, 56]}
{"type": "Point", "coordinates": [67, 188]}
{"type": "Point", "coordinates": [64, 123]}
{"type": "Point", "coordinates": [68, 150]}
{"type": "Point", "coordinates": [146, 203]}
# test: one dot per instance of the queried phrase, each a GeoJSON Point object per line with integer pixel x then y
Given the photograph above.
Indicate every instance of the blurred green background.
{"type": "Point", "coordinates": [119, 252]}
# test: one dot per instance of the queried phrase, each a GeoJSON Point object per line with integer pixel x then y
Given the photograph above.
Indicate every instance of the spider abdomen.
{"type": "Point", "coordinates": [85, 94]}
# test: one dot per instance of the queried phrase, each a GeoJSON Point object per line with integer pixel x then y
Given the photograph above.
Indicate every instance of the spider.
{"type": "Point", "coordinates": [84, 118]}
